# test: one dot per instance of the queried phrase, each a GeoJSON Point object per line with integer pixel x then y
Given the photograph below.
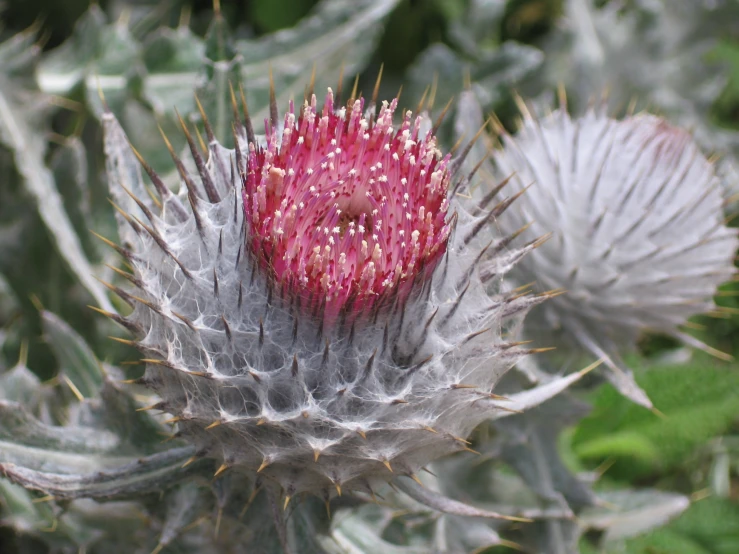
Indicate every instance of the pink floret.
{"type": "Point", "coordinates": [345, 209]}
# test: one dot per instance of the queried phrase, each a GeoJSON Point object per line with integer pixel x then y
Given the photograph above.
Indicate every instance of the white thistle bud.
{"type": "Point", "coordinates": [639, 241]}
{"type": "Point", "coordinates": [296, 323]}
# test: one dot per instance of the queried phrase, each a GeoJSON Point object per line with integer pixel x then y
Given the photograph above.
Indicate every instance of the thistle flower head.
{"type": "Point", "coordinates": [316, 311]}
{"type": "Point", "coordinates": [639, 240]}
{"type": "Point", "coordinates": [347, 208]}
{"type": "Point", "coordinates": [342, 208]}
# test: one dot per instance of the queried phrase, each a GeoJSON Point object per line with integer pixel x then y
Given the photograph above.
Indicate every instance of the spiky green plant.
{"type": "Point", "coordinates": [284, 386]}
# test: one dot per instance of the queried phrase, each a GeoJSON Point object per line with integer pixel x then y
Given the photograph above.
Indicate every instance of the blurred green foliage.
{"type": "Point", "coordinates": [726, 108]}
{"type": "Point", "coordinates": [671, 449]}
{"type": "Point", "coordinates": [695, 401]}
{"type": "Point", "coordinates": [709, 526]}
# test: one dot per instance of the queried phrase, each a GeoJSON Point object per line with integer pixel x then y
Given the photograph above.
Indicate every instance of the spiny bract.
{"type": "Point", "coordinates": [316, 308]}
{"type": "Point", "coordinates": [639, 241]}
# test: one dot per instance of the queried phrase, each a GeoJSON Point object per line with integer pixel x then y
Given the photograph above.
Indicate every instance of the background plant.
{"type": "Point", "coordinates": [148, 58]}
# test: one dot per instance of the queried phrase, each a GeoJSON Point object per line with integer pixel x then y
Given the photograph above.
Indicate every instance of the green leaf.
{"type": "Point", "coordinates": [66, 66]}
{"type": "Point", "coordinates": [708, 526]}
{"type": "Point", "coordinates": [447, 65]}
{"type": "Point", "coordinates": [661, 541]}
{"type": "Point", "coordinates": [120, 415]}
{"type": "Point", "coordinates": [711, 522]}
{"type": "Point", "coordinates": [100, 57]}
{"type": "Point", "coordinates": [627, 513]}
{"type": "Point", "coordinates": [335, 33]}
{"type": "Point", "coordinates": [725, 108]}
{"type": "Point", "coordinates": [720, 473]}
{"type": "Point", "coordinates": [222, 66]}
{"type": "Point", "coordinates": [439, 502]}
{"type": "Point", "coordinates": [22, 133]}
{"type": "Point", "coordinates": [69, 163]}
{"type": "Point", "coordinates": [530, 448]}
{"type": "Point", "coordinates": [19, 427]}
{"type": "Point", "coordinates": [20, 510]}
{"type": "Point", "coordinates": [698, 402]}
{"type": "Point", "coordinates": [352, 534]}
{"type": "Point", "coordinates": [27, 442]}
{"type": "Point", "coordinates": [531, 398]}
{"type": "Point", "coordinates": [272, 15]}
{"type": "Point", "coordinates": [307, 525]}
{"type": "Point", "coordinates": [113, 70]}
{"type": "Point", "coordinates": [106, 525]}
{"type": "Point", "coordinates": [21, 385]}
{"type": "Point", "coordinates": [173, 60]}
{"type": "Point", "coordinates": [139, 476]}
{"type": "Point", "coordinates": [551, 536]}
{"type": "Point", "coordinates": [624, 444]}
{"type": "Point", "coordinates": [76, 359]}
{"type": "Point", "coordinates": [142, 84]}
{"type": "Point", "coordinates": [81, 524]}
{"type": "Point", "coordinates": [8, 300]}
{"type": "Point", "coordinates": [532, 452]}
{"type": "Point", "coordinates": [499, 69]}
{"type": "Point", "coordinates": [475, 25]}
{"type": "Point", "coordinates": [494, 72]}
{"type": "Point", "coordinates": [183, 505]}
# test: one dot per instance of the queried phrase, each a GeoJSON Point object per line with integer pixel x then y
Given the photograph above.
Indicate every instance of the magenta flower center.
{"type": "Point", "coordinates": [341, 207]}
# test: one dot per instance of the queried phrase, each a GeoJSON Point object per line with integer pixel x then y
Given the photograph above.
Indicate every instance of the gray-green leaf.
{"type": "Point", "coordinates": [76, 359]}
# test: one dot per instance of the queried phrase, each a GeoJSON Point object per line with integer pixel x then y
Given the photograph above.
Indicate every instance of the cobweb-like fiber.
{"type": "Point", "coordinates": [260, 374]}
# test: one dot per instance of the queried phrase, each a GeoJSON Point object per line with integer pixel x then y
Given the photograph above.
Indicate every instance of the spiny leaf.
{"type": "Point", "coordinates": [20, 427]}
{"type": "Point", "coordinates": [75, 358]}
{"type": "Point", "coordinates": [706, 527]}
{"type": "Point", "coordinates": [183, 506]}
{"type": "Point", "coordinates": [356, 535]}
{"type": "Point", "coordinates": [67, 65]}
{"type": "Point", "coordinates": [493, 73]}
{"type": "Point", "coordinates": [99, 56]}
{"type": "Point", "coordinates": [525, 400]}
{"type": "Point", "coordinates": [24, 137]}
{"type": "Point", "coordinates": [138, 428]}
{"type": "Point", "coordinates": [173, 60]}
{"type": "Point", "coordinates": [438, 501]}
{"type": "Point", "coordinates": [630, 513]}
{"type": "Point", "coordinates": [27, 442]}
{"type": "Point", "coordinates": [142, 476]}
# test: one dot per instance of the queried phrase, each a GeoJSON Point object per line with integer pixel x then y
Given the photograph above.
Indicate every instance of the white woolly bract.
{"type": "Point", "coordinates": [639, 240]}
{"type": "Point", "coordinates": [256, 381]}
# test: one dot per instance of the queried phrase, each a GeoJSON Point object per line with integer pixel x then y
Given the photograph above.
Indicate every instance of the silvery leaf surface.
{"type": "Point", "coordinates": [108, 478]}
{"type": "Point", "coordinates": [626, 513]}
{"type": "Point", "coordinates": [75, 357]}
{"type": "Point", "coordinates": [139, 81]}
{"type": "Point", "coordinates": [22, 131]}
